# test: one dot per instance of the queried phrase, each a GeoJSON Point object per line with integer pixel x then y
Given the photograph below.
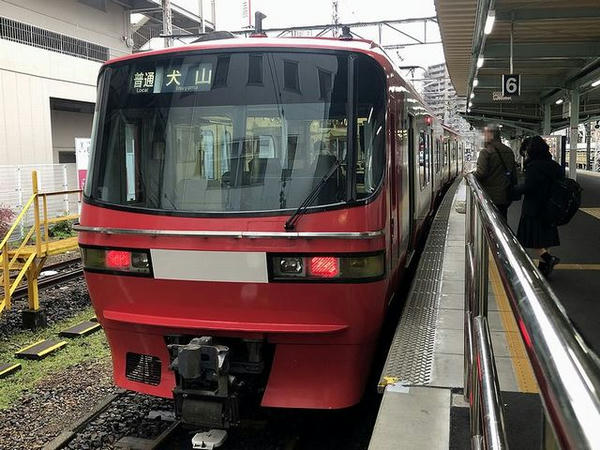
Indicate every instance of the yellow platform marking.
{"type": "Point", "coordinates": [523, 371]}
{"type": "Point", "coordinates": [572, 266]}
{"type": "Point", "coordinates": [595, 212]}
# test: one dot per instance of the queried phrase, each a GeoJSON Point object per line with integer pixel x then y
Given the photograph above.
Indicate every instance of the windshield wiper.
{"type": "Point", "coordinates": [290, 224]}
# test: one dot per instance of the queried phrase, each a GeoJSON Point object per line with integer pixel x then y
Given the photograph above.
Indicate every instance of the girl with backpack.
{"type": "Point", "coordinates": [536, 230]}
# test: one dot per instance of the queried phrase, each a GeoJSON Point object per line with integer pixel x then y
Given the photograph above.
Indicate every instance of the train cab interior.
{"type": "Point", "coordinates": [198, 165]}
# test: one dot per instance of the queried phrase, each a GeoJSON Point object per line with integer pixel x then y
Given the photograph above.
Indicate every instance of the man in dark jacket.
{"type": "Point", "coordinates": [496, 169]}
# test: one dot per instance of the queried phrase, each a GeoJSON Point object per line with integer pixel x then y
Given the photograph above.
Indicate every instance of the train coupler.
{"type": "Point", "coordinates": [205, 393]}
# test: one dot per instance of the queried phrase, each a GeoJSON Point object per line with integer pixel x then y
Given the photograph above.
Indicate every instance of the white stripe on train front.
{"type": "Point", "coordinates": [240, 267]}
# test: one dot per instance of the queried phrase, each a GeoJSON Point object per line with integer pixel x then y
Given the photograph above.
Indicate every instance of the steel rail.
{"type": "Point", "coordinates": [50, 281]}
{"type": "Point", "coordinates": [566, 369]}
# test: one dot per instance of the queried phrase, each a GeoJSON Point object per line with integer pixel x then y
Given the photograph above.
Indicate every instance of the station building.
{"type": "Point", "coordinates": [50, 55]}
{"type": "Point", "coordinates": [51, 52]}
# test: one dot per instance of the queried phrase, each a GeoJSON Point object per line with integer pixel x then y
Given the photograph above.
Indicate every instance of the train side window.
{"type": "Point", "coordinates": [446, 147]}
{"type": "Point", "coordinates": [266, 147]}
{"type": "Point", "coordinates": [422, 140]}
{"type": "Point", "coordinates": [424, 158]}
{"type": "Point", "coordinates": [437, 155]}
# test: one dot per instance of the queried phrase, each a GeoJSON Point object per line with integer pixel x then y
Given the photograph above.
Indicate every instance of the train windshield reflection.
{"type": "Point", "coordinates": [235, 132]}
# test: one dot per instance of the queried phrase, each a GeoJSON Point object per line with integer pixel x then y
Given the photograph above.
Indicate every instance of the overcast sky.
{"type": "Point", "coordinates": [281, 13]}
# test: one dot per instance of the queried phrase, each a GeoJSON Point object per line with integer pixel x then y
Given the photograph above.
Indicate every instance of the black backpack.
{"type": "Point", "coordinates": [564, 200]}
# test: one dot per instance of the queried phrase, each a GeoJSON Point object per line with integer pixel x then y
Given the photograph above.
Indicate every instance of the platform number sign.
{"type": "Point", "coordinates": [511, 85]}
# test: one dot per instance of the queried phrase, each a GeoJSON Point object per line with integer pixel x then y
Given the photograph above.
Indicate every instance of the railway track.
{"type": "Point", "coordinates": [79, 428]}
{"type": "Point", "coordinates": [52, 280]}
{"type": "Point", "coordinates": [173, 435]}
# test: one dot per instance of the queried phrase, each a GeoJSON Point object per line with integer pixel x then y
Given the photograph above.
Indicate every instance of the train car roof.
{"type": "Point", "coordinates": [360, 45]}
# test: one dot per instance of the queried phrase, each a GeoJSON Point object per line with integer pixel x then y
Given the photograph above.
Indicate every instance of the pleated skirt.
{"type": "Point", "coordinates": [536, 233]}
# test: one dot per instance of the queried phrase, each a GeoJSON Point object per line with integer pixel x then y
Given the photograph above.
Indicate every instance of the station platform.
{"type": "Point", "coordinates": [423, 406]}
{"type": "Point", "coordinates": [576, 280]}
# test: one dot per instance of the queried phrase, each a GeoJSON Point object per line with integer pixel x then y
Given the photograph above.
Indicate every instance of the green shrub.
{"type": "Point", "coordinates": [62, 230]}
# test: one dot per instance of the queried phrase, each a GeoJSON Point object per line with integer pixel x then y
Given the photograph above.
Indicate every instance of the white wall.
{"type": "Point", "coordinates": [75, 19]}
{"type": "Point", "coordinates": [30, 76]}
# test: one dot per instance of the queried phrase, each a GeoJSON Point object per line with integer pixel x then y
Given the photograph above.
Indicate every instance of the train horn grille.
{"type": "Point", "coordinates": [143, 368]}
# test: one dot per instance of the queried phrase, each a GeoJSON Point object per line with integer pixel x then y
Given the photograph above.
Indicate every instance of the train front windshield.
{"type": "Point", "coordinates": [237, 131]}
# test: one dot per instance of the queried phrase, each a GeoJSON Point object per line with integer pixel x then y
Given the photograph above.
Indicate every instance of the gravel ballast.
{"type": "Point", "coordinates": [42, 413]}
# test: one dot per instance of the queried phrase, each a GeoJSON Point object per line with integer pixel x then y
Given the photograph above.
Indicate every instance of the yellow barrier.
{"type": "Point", "coordinates": [29, 259]}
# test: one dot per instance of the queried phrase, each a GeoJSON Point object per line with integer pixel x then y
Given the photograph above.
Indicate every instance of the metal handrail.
{"type": "Point", "coordinates": [566, 370]}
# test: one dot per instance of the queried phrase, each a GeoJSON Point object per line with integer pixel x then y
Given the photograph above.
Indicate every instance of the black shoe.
{"type": "Point", "coordinates": [543, 268]}
{"type": "Point", "coordinates": [553, 261]}
{"type": "Point", "coordinates": [547, 263]}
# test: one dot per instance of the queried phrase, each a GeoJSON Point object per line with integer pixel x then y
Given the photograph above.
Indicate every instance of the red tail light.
{"type": "Point", "coordinates": [118, 259]}
{"type": "Point", "coordinates": [324, 266]}
{"type": "Point", "coordinates": [128, 262]}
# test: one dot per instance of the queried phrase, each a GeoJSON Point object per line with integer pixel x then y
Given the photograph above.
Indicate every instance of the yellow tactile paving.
{"type": "Point", "coordinates": [522, 367]}
{"type": "Point", "coordinates": [573, 266]}
{"type": "Point", "coordinates": [592, 212]}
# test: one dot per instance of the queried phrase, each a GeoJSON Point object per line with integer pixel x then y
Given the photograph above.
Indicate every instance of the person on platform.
{"type": "Point", "coordinates": [534, 231]}
{"type": "Point", "coordinates": [496, 170]}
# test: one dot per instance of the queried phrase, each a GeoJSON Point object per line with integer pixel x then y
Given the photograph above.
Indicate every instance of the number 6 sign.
{"type": "Point", "coordinates": [511, 85]}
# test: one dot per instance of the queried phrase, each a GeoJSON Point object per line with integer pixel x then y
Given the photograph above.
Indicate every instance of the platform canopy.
{"type": "Point", "coordinates": [556, 52]}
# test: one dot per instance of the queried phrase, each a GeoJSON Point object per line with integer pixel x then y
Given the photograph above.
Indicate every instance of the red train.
{"type": "Point", "coordinates": [250, 209]}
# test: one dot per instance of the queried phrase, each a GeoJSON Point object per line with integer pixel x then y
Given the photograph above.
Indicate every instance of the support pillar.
{"type": "Point", "coordinates": [167, 22]}
{"type": "Point", "coordinates": [547, 127]}
{"type": "Point", "coordinates": [574, 134]}
{"type": "Point", "coordinates": [588, 146]}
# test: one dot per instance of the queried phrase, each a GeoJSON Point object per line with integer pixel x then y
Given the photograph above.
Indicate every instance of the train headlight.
{"type": "Point", "coordinates": [293, 265]}
{"type": "Point", "coordinates": [122, 261]}
{"type": "Point", "coordinates": [330, 268]}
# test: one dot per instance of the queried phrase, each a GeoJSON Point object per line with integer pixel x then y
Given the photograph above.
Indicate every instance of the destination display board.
{"type": "Point", "coordinates": [176, 78]}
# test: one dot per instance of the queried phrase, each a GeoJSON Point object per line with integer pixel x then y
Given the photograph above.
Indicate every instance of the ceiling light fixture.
{"type": "Point", "coordinates": [559, 101]}
{"type": "Point", "coordinates": [480, 62]}
{"type": "Point", "coordinates": [596, 83]}
{"type": "Point", "coordinates": [489, 22]}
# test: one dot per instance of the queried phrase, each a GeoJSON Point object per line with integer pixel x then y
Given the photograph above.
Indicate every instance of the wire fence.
{"type": "Point", "coordinates": [16, 189]}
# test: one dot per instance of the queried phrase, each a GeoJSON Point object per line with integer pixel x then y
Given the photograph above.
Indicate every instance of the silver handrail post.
{"type": "Point", "coordinates": [494, 434]}
{"type": "Point", "coordinates": [481, 383]}
{"type": "Point", "coordinates": [469, 288]}
{"type": "Point", "coordinates": [473, 298]}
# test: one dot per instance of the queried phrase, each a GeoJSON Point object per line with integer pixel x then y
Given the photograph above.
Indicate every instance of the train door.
{"type": "Point", "coordinates": [395, 178]}
{"type": "Point", "coordinates": [411, 183]}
